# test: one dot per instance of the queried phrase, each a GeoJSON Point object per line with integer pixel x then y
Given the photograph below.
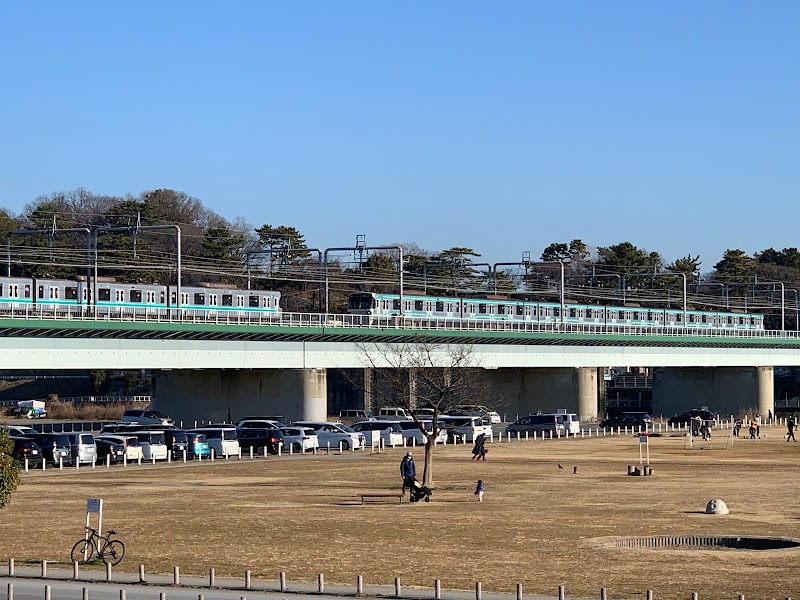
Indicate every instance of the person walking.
{"type": "Point", "coordinates": [408, 471]}
{"type": "Point", "coordinates": [479, 490]}
{"type": "Point", "coordinates": [479, 449]}
{"type": "Point", "coordinates": [790, 424]}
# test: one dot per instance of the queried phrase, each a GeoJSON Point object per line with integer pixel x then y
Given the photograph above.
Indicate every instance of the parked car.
{"type": "Point", "coordinates": [196, 446]}
{"type": "Point", "coordinates": [54, 446]}
{"type": "Point", "coordinates": [26, 448]}
{"type": "Point", "coordinates": [299, 439]}
{"type": "Point", "coordinates": [82, 447]}
{"type": "Point", "coordinates": [470, 427]}
{"type": "Point", "coordinates": [685, 417]}
{"type": "Point", "coordinates": [122, 428]}
{"type": "Point", "coordinates": [389, 432]}
{"type": "Point", "coordinates": [20, 430]}
{"type": "Point", "coordinates": [268, 439]}
{"type": "Point", "coordinates": [280, 419]}
{"type": "Point", "coordinates": [259, 424]}
{"type": "Point", "coordinates": [174, 437]}
{"type": "Point", "coordinates": [393, 412]}
{"type": "Point", "coordinates": [133, 447]}
{"type": "Point", "coordinates": [411, 431]}
{"type": "Point", "coordinates": [560, 424]}
{"type": "Point", "coordinates": [221, 439]}
{"type": "Point", "coordinates": [330, 433]}
{"type": "Point", "coordinates": [354, 414]}
{"type": "Point", "coordinates": [154, 444]}
{"type": "Point", "coordinates": [478, 410]}
{"type": "Point", "coordinates": [106, 448]}
{"type": "Point", "coordinates": [145, 417]}
{"type": "Point", "coordinates": [627, 419]}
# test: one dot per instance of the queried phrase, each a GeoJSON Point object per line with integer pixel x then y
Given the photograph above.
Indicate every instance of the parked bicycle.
{"type": "Point", "coordinates": [103, 547]}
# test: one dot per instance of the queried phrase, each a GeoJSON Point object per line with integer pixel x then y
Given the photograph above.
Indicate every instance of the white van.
{"type": "Point", "coordinates": [572, 426]}
{"type": "Point", "coordinates": [82, 447]}
{"type": "Point", "coordinates": [393, 412]}
{"type": "Point", "coordinates": [133, 447]}
{"type": "Point", "coordinates": [222, 440]}
{"type": "Point", "coordinates": [375, 431]}
{"type": "Point", "coordinates": [153, 443]}
{"type": "Point", "coordinates": [469, 427]}
{"type": "Point", "coordinates": [332, 433]}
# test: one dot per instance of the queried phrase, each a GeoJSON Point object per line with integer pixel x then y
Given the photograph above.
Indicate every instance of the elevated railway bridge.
{"type": "Point", "coordinates": [213, 368]}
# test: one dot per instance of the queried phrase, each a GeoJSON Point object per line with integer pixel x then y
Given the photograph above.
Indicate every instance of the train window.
{"type": "Point", "coordinates": [573, 312]}
{"type": "Point", "coordinates": [104, 295]}
{"type": "Point", "coordinates": [163, 297]}
{"type": "Point", "coordinates": [53, 293]}
{"type": "Point", "coordinates": [439, 306]}
{"type": "Point", "coordinates": [136, 296]}
{"type": "Point", "coordinates": [520, 310]}
{"type": "Point", "coordinates": [41, 291]}
{"type": "Point", "coordinates": [253, 302]}
{"type": "Point", "coordinates": [482, 309]}
{"type": "Point", "coordinates": [396, 304]}
{"type": "Point", "coordinates": [417, 304]}
{"type": "Point", "coordinates": [1, 289]}
{"type": "Point", "coordinates": [119, 295]}
{"type": "Point", "coordinates": [71, 293]}
{"type": "Point", "coordinates": [227, 299]}
{"type": "Point", "coordinates": [201, 299]}
{"type": "Point", "coordinates": [501, 309]}
{"type": "Point", "coordinates": [27, 291]}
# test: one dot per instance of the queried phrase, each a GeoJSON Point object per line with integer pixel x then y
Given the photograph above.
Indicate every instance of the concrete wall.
{"type": "Point", "coordinates": [525, 391]}
{"type": "Point", "coordinates": [222, 395]}
{"type": "Point", "coordinates": [725, 390]}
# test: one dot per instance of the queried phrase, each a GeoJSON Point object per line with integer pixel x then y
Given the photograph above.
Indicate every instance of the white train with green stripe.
{"type": "Point", "coordinates": [108, 296]}
{"type": "Point", "coordinates": [503, 309]}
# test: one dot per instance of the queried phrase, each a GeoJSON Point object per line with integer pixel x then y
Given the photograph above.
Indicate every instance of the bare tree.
{"type": "Point", "coordinates": [421, 375]}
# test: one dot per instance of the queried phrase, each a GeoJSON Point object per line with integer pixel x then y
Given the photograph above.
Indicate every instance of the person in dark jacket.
{"type": "Point", "coordinates": [408, 471]}
{"type": "Point", "coordinates": [790, 424]}
{"type": "Point", "coordinates": [479, 450]}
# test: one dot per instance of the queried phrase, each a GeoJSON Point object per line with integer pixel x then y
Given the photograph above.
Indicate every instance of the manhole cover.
{"type": "Point", "coordinates": [701, 542]}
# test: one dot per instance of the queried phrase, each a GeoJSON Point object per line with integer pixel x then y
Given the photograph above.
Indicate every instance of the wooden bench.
{"type": "Point", "coordinates": [381, 495]}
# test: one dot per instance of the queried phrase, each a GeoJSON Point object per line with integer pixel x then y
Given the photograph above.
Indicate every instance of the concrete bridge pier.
{"type": "Point", "coordinates": [524, 391]}
{"type": "Point", "coordinates": [230, 394]}
{"type": "Point", "coordinates": [725, 390]}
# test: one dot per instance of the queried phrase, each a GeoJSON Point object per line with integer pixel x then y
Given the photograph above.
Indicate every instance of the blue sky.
{"type": "Point", "coordinates": [503, 126]}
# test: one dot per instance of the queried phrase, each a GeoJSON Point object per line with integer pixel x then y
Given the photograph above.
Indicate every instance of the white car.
{"type": "Point", "coordinates": [332, 433]}
{"type": "Point", "coordinates": [374, 431]}
{"type": "Point", "coordinates": [411, 431]}
{"type": "Point", "coordinates": [299, 439]}
{"type": "Point", "coordinates": [20, 430]}
{"type": "Point", "coordinates": [133, 447]}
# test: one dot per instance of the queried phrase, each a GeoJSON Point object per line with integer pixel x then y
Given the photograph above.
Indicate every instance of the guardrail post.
{"type": "Point", "coordinates": [108, 571]}
{"type": "Point", "coordinates": [26, 464]}
{"type": "Point", "coordinates": [561, 592]}
{"type": "Point", "coordinates": [519, 591]}
{"type": "Point", "coordinates": [360, 585]}
{"type": "Point", "coordinates": [10, 567]}
{"type": "Point", "coordinates": [75, 570]}
{"type": "Point", "coordinates": [176, 575]}
{"type": "Point", "coordinates": [211, 578]}
{"type": "Point", "coordinates": [282, 579]}
{"type": "Point", "coordinates": [397, 587]}
{"type": "Point", "coordinates": [694, 595]}
{"type": "Point", "coordinates": [321, 583]}
{"type": "Point", "coordinates": [437, 589]}
{"type": "Point", "coordinates": [603, 595]}
{"type": "Point", "coordinates": [85, 594]}
{"type": "Point", "coordinates": [44, 569]}
{"type": "Point", "coordinates": [10, 591]}
{"type": "Point", "coordinates": [141, 573]}
{"type": "Point", "coordinates": [122, 595]}
{"type": "Point", "coordinates": [649, 592]}
{"type": "Point", "coordinates": [247, 579]}
{"type": "Point", "coordinates": [47, 592]}
{"type": "Point", "coordinates": [478, 591]}
{"type": "Point", "coordinates": [162, 596]}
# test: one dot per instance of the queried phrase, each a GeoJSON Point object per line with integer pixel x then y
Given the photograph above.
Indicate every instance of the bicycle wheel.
{"type": "Point", "coordinates": [83, 551]}
{"type": "Point", "coordinates": [113, 553]}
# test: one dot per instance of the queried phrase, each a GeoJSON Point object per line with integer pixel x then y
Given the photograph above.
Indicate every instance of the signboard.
{"type": "Point", "coordinates": [94, 505]}
{"type": "Point", "coordinates": [643, 439]}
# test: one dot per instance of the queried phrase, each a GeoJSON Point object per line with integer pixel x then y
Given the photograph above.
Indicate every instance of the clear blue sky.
{"type": "Point", "coordinates": [503, 126]}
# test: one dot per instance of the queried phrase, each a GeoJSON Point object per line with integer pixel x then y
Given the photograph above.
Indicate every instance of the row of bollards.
{"type": "Point", "coordinates": [359, 590]}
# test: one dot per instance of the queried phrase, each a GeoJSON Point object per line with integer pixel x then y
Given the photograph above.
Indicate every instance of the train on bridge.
{"type": "Point", "coordinates": [119, 298]}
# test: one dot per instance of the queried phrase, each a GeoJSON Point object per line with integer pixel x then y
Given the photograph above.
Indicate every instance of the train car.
{"type": "Point", "coordinates": [492, 308]}
{"type": "Point", "coordinates": [16, 292]}
{"type": "Point", "coordinates": [228, 300]}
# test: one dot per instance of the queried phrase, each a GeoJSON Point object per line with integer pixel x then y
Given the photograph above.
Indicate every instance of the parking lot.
{"type": "Point", "coordinates": [536, 526]}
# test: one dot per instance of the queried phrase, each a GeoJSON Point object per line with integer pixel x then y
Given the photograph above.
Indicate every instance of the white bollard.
{"type": "Point", "coordinates": [26, 464]}
{"type": "Point", "coordinates": [251, 452]}
{"type": "Point", "coordinates": [108, 460]}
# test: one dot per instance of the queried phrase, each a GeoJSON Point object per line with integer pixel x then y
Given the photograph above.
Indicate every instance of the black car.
{"type": "Point", "coordinates": [685, 418]}
{"type": "Point", "coordinates": [628, 419]}
{"type": "Point", "coordinates": [55, 447]}
{"type": "Point", "coordinates": [26, 448]}
{"type": "Point", "coordinates": [254, 438]}
{"type": "Point", "coordinates": [176, 439]}
{"type": "Point", "coordinates": [107, 448]}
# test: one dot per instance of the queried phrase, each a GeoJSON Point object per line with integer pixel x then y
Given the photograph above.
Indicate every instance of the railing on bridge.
{"type": "Point", "coordinates": [345, 321]}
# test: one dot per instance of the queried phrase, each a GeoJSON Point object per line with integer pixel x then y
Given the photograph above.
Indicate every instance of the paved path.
{"type": "Point", "coordinates": [29, 585]}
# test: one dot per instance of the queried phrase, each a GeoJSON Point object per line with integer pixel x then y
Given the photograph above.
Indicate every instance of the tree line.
{"type": "Point", "coordinates": [217, 250]}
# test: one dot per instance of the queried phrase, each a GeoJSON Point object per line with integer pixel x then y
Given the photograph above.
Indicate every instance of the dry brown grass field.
{"type": "Point", "coordinates": [536, 526]}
